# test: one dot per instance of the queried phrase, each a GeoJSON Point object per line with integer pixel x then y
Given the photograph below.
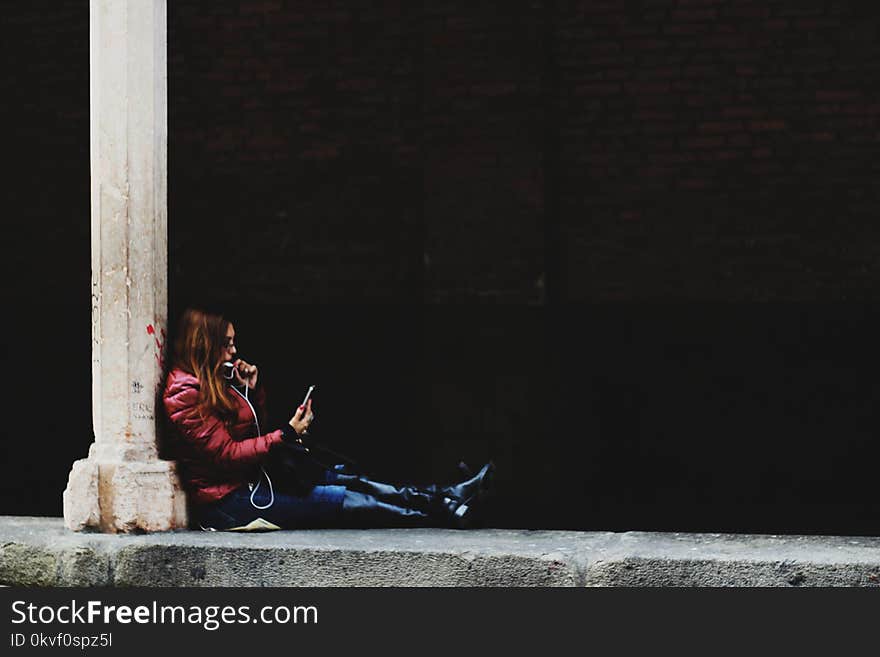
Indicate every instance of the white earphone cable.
{"type": "Point", "coordinates": [260, 481]}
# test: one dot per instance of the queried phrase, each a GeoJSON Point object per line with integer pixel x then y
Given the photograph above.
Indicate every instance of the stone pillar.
{"type": "Point", "coordinates": [123, 485]}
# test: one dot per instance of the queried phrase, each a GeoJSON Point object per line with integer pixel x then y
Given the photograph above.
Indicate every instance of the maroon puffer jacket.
{"type": "Point", "coordinates": [214, 459]}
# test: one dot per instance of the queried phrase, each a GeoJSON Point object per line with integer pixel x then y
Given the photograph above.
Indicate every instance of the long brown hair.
{"type": "Point", "coordinates": [198, 347]}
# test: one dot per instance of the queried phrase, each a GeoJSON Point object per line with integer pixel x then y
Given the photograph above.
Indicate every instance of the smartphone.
{"type": "Point", "coordinates": [308, 394]}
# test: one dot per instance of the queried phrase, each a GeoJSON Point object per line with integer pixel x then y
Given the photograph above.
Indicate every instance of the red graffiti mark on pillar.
{"type": "Point", "coordinates": [160, 345]}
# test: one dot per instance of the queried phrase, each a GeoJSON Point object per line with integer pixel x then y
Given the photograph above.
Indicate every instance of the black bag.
{"type": "Point", "coordinates": [296, 468]}
{"type": "Point", "coordinates": [293, 469]}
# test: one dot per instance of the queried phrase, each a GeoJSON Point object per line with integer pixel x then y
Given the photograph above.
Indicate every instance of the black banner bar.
{"type": "Point", "coordinates": [228, 621]}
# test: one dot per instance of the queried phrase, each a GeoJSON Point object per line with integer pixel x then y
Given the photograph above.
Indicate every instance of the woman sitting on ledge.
{"type": "Point", "coordinates": [214, 406]}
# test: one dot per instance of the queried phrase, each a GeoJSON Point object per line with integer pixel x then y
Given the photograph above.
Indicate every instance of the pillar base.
{"type": "Point", "coordinates": [121, 497]}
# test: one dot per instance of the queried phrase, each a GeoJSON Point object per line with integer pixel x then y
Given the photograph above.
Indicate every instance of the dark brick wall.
{"type": "Point", "coordinates": [295, 150]}
{"type": "Point", "coordinates": [363, 151]}
{"type": "Point", "coordinates": [625, 248]}
{"type": "Point", "coordinates": [483, 84]}
{"type": "Point", "coordinates": [697, 150]}
{"type": "Point", "coordinates": [719, 150]}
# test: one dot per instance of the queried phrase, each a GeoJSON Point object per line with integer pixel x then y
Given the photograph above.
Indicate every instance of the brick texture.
{"type": "Point", "coordinates": [719, 150]}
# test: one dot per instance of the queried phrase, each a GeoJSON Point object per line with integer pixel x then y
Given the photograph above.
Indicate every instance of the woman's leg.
{"type": "Point", "coordinates": [351, 501]}
{"type": "Point", "coordinates": [324, 506]}
{"type": "Point", "coordinates": [361, 511]}
{"type": "Point", "coordinates": [404, 496]}
{"type": "Point", "coordinates": [241, 509]}
{"type": "Point", "coordinates": [424, 498]}
{"type": "Point", "coordinates": [377, 499]}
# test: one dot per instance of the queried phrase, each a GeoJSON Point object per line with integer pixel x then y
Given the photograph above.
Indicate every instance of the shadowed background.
{"type": "Point", "coordinates": [627, 250]}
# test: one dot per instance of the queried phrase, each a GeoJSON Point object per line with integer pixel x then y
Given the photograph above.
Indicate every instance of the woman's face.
{"type": "Point", "coordinates": [228, 351]}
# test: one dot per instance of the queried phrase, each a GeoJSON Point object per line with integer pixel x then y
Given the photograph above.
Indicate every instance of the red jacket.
{"type": "Point", "coordinates": [214, 459]}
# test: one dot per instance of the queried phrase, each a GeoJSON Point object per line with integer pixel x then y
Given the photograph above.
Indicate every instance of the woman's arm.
{"type": "Point", "coordinates": [208, 436]}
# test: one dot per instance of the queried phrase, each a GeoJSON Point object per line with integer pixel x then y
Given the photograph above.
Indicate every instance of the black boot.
{"type": "Point", "coordinates": [440, 509]}
{"type": "Point", "coordinates": [470, 491]}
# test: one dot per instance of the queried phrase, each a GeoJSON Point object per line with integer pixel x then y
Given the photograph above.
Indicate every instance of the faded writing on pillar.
{"type": "Point", "coordinates": [141, 410]}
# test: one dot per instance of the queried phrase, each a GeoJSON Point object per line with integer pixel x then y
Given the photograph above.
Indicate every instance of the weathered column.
{"type": "Point", "coordinates": [123, 485]}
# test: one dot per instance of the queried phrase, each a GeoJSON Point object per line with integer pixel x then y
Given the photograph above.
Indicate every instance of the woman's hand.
{"type": "Point", "coordinates": [245, 373]}
{"type": "Point", "coordinates": [302, 418]}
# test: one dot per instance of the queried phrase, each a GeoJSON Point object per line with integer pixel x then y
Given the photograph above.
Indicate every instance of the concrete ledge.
{"type": "Point", "coordinates": [42, 552]}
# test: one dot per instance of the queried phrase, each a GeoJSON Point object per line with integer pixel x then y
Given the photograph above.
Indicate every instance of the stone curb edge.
{"type": "Point", "coordinates": [37, 552]}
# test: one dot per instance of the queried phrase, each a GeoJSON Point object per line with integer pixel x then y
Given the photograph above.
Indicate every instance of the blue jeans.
{"type": "Point", "coordinates": [321, 507]}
